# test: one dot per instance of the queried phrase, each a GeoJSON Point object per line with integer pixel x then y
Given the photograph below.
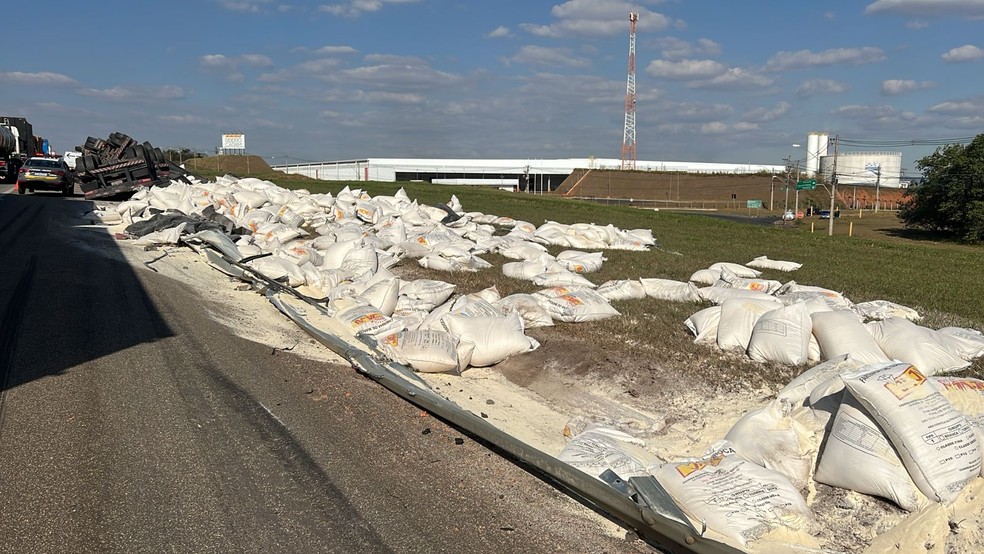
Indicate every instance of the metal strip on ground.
{"type": "Point", "coordinates": [634, 511]}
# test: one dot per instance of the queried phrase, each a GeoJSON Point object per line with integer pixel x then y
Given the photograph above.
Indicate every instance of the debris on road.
{"type": "Point", "coordinates": [328, 262]}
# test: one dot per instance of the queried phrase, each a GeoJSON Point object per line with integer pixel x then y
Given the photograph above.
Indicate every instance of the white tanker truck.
{"type": "Point", "coordinates": [13, 150]}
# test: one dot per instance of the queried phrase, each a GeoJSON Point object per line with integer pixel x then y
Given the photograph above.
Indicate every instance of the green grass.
{"type": "Point", "coordinates": [941, 280]}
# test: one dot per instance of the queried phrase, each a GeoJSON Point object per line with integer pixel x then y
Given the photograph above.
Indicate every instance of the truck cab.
{"type": "Point", "coordinates": [70, 158]}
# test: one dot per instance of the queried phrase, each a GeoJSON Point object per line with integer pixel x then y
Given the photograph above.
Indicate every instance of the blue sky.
{"type": "Point", "coordinates": [717, 81]}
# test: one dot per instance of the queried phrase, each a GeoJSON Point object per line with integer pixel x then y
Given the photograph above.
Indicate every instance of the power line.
{"type": "Point", "coordinates": [885, 143]}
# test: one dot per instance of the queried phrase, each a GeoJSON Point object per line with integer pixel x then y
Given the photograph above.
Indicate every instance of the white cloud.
{"type": "Point", "coordinates": [708, 74]}
{"type": "Point", "coordinates": [674, 49]}
{"type": "Point", "coordinates": [597, 18]}
{"type": "Point", "coordinates": [580, 89]}
{"type": "Point", "coordinates": [135, 93]}
{"type": "Point", "coordinates": [499, 32]}
{"type": "Point", "coordinates": [316, 67]}
{"type": "Point", "coordinates": [814, 87]}
{"type": "Point", "coordinates": [256, 60]}
{"type": "Point", "coordinates": [215, 61]}
{"type": "Point", "coordinates": [395, 77]}
{"type": "Point", "coordinates": [312, 68]}
{"type": "Point", "coordinates": [745, 126]}
{"type": "Point", "coordinates": [230, 66]}
{"type": "Point", "coordinates": [355, 8]}
{"type": "Point", "coordinates": [714, 128]}
{"type": "Point", "coordinates": [892, 87]}
{"type": "Point", "coordinates": [928, 8]}
{"type": "Point", "coordinates": [394, 59]}
{"type": "Point", "coordinates": [965, 53]}
{"type": "Point", "coordinates": [186, 119]}
{"type": "Point", "coordinates": [966, 122]}
{"type": "Point", "coordinates": [874, 115]}
{"type": "Point", "coordinates": [803, 59]}
{"type": "Point", "coordinates": [917, 24]}
{"type": "Point", "coordinates": [544, 56]}
{"type": "Point", "coordinates": [245, 6]}
{"type": "Point", "coordinates": [685, 70]}
{"type": "Point", "coordinates": [385, 97]}
{"type": "Point", "coordinates": [276, 76]}
{"type": "Point", "coordinates": [42, 78]}
{"type": "Point", "coordinates": [881, 118]}
{"type": "Point", "coordinates": [764, 115]}
{"type": "Point", "coordinates": [694, 112]}
{"type": "Point", "coordinates": [852, 110]}
{"type": "Point", "coordinates": [333, 50]}
{"type": "Point", "coordinates": [734, 78]}
{"type": "Point", "coordinates": [971, 107]}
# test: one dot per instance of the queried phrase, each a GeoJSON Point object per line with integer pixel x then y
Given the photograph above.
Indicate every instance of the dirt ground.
{"type": "Point", "coordinates": [717, 191]}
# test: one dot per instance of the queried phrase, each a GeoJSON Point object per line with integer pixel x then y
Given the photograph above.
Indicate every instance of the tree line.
{"type": "Point", "coordinates": [950, 196]}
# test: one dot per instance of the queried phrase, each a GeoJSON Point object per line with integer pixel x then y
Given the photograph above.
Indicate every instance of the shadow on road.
{"type": "Point", "coordinates": [66, 294]}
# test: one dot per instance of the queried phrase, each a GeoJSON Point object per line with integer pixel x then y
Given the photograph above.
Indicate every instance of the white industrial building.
{"type": "Point", "coordinates": [534, 174]}
{"type": "Point", "coordinates": [854, 168]}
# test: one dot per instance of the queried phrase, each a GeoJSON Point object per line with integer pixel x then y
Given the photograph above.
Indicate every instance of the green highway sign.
{"type": "Point", "coordinates": [753, 204]}
{"type": "Point", "coordinates": [806, 184]}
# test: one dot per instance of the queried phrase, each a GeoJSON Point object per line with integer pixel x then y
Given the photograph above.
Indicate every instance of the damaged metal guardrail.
{"type": "Point", "coordinates": [640, 503]}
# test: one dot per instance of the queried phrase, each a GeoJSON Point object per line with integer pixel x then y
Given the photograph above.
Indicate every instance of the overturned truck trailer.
{"type": "Point", "coordinates": [119, 165]}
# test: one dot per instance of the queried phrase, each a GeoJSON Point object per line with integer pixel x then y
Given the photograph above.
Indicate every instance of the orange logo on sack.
{"type": "Point", "coordinates": [688, 468]}
{"type": "Point", "coordinates": [368, 318]}
{"type": "Point", "coordinates": [572, 300]}
{"type": "Point", "coordinates": [756, 286]}
{"type": "Point", "coordinates": [906, 382]}
{"type": "Point", "coordinates": [392, 340]}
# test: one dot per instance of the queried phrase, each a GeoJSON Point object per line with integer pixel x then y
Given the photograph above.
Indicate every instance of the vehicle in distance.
{"type": "Point", "coordinates": [45, 174]}
{"type": "Point", "coordinates": [71, 157]}
{"type": "Point", "coordinates": [824, 214]}
{"type": "Point", "coordinates": [789, 215]}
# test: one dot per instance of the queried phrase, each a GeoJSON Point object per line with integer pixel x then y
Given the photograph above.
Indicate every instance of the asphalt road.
{"type": "Point", "coordinates": [131, 422]}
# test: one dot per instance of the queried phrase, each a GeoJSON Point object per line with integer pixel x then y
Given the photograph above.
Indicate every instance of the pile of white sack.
{"type": "Point", "coordinates": [873, 417]}
{"type": "Point", "coordinates": [795, 324]}
{"type": "Point", "coordinates": [340, 249]}
{"type": "Point", "coordinates": [882, 429]}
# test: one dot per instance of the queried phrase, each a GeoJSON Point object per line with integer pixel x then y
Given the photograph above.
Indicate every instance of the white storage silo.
{"type": "Point", "coordinates": [816, 148]}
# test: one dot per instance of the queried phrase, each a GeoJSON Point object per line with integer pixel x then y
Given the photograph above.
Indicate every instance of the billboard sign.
{"type": "Point", "coordinates": [235, 141]}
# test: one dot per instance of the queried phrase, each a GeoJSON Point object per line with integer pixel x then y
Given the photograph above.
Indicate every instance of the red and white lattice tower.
{"type": "Point", "coordinates": [629, 135]}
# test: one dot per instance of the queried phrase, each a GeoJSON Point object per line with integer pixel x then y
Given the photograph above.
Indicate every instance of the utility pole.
{"type": "Point", "coordinates": [833, 191]}
{"type": "Point", "coordinates": [797, 201]}
{"type": "Point", "coordinates": [785, 205]}
{"type": "Point", "coordinates": [772, 190]}
{"type": "Point", "coordinates": [878, 189]}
